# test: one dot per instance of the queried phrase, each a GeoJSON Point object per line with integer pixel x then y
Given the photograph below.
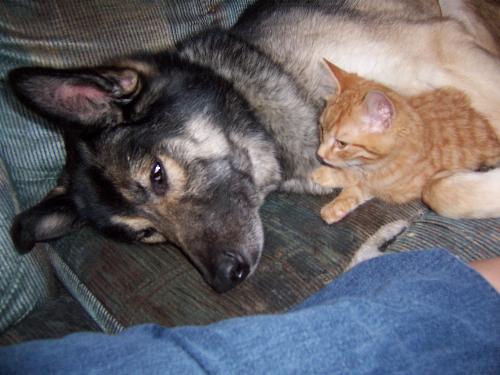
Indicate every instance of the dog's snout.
{"type": "Point", "coordinates": [231, 270]}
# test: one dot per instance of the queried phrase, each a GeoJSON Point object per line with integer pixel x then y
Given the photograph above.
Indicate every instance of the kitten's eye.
{"type": "Point", "coordinates": [158, 178]}
{"type": "Point", "coordinates": [340, 145]}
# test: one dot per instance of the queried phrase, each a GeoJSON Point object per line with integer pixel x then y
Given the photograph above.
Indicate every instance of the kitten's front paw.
{"type": "Point", "coordinates": [323, 176]}
{"type": "Point", "coordinates": [337, 210]}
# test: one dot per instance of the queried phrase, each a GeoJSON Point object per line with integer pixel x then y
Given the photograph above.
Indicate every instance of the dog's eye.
{"type": "Point", "coordinates": [148, 232]}
{"type": "Point", "coordinates": [158, 178]}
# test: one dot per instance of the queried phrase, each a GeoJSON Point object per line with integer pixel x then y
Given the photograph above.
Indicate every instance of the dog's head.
{"type": "Point", "coordinates": [157, 150]}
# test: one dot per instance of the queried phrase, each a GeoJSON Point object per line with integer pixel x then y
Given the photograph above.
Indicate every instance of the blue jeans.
{"type": "Point", "coordinates": [423, 312]}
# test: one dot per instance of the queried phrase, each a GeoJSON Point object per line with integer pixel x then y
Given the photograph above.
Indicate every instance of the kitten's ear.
{"type": "Point", "coordinates": [378, 111]}
{"type": "Point", "coordinates": [342, 78]}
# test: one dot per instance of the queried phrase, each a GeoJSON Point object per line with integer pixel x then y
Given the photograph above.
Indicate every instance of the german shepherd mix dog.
{"type": "Point", "coordinates": [185, 145]}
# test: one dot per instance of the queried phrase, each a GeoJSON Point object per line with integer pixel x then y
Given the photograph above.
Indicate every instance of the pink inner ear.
{"type": "Point", "coordinates": [82, 102]}
{"type": "Point", "coordinates": [69, 93]}
{"type": "Point", "coordinates": [128, 81]}
{"type": "Point", "coordinates": [380, 111]}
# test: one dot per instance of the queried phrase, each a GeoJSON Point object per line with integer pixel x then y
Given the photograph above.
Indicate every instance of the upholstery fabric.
{"type": "Point", "coordinates": [468, 239]}
{"type": "Point", "coordinates": [59, 317]}
{"type": "Point", "coordinates": [25, 281]}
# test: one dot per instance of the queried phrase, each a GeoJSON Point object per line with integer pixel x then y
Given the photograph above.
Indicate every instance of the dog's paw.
{"type": "Point", "coordinates": [371, 248]}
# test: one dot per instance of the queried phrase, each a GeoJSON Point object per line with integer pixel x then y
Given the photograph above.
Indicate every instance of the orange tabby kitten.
{"type": "Point", "coordinates": [378, 143]}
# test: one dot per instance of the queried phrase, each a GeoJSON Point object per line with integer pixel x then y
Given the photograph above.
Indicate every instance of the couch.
{"type": "Point", "coordinates": [85, 282]}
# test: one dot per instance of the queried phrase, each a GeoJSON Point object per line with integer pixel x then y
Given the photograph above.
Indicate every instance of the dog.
{"type": "Point", "coordinates": [185, 145]}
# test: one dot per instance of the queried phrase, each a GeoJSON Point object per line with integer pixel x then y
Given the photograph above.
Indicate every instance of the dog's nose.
{"type": "Point", "coordinates": [231, 270]}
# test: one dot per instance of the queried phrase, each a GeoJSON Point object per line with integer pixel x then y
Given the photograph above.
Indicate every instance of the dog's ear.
{"type": "Point", "coordinates": [86, 97]}
{"type": "Point", "coordinates": [53, 217]}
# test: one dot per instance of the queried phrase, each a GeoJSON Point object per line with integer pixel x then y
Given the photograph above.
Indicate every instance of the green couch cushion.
{"type": "Point", "coordinates": [25, 281]}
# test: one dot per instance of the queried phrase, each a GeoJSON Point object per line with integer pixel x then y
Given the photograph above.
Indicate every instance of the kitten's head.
{"type": "Point", "coordinates": [357, 123]}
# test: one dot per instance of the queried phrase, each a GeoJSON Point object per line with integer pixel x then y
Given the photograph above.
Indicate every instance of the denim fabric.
{"type": "Point", "coordinates": [423, 312]}
{"type": "Point", "coordinates": [74, 33]}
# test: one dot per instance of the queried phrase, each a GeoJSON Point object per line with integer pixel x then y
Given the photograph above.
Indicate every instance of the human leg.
{"type": "Point", "coordinates": [412, 313]}
{"type": "Point", "coordinates": [490, 270]}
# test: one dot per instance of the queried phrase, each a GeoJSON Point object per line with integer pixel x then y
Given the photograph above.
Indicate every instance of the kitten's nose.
{"type": "Point", "coordinates": [321, 153]}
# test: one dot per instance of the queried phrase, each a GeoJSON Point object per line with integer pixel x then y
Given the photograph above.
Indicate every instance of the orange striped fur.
{"type": "Point", "coordinates": [378, 143]}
